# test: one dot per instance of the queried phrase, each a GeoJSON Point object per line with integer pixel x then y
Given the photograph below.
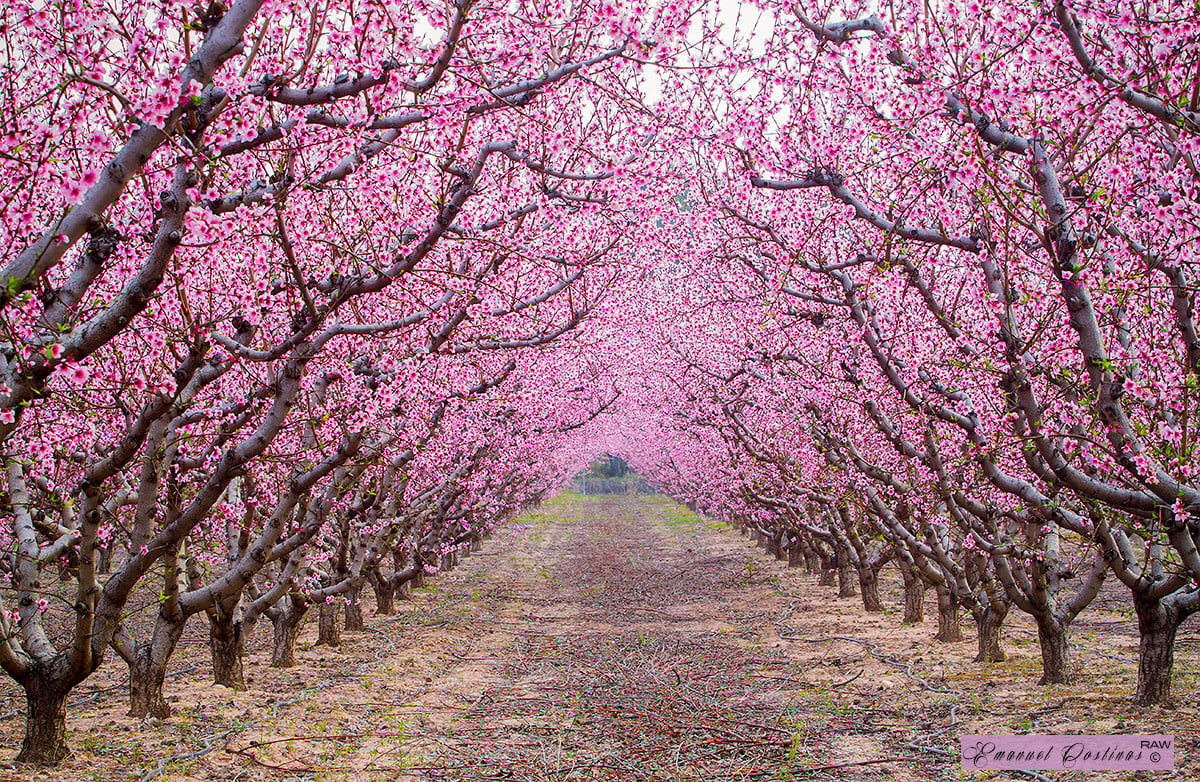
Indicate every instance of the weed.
{"type": "Point", "coordinates": [1023, 724]}
{"type": "Point", "coordinates": [799, 736]}
{"type": "Point", "coordinates": [829, 703]}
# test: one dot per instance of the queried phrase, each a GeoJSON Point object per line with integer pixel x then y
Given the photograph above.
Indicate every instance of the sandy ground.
{"type": "Point", "coordinates": [621, 638]}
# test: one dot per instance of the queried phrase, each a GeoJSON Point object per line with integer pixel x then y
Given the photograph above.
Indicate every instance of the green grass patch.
{"type": "Point", "coordinates": [680, 520]}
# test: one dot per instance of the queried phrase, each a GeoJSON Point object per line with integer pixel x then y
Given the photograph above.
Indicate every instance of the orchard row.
{"type": "Point", "coordinates": [954, 322]}
{"type": "Point", "coordinates": [303, 298]}
{"type": "Point", "coordinates": [289, 308]}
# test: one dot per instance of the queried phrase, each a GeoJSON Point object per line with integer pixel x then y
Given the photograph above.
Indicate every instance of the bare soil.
{"type": "Point", "coordinates": [622, 638]}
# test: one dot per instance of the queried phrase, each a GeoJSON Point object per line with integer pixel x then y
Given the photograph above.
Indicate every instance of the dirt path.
{"type": "Point", "coordinates": [618, 638]}
{"type": "Point", "coordinates": [605, 639]}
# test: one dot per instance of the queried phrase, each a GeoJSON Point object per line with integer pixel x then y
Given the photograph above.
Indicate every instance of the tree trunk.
{"type": "Point", "coordinates": [227, 646]}
{"type": "Point", "coordinates": [146, 677]}
{"type": "Point", "coordinates": [812, 562]}
{"type": "Point", "coordinates": [845, 581]}
{"type": "Point", "coordinates": [149, 668]}
{"type": "Point", "coordinates": [287, 630]}
{"type": "Point", "coordinates": [914, 598]}
{"type": "Point", "coordinates": [476, 545]}
{"type": "Point", "coordinates": [989, 620]}
{"type": "Point", "coordinates": [416, 582]}
{"type": "Point", "coordinates": [329, 632]}
{"type": "Point", "coordinates": [795, 557]}
{"type": "Point", "coordinates": [828, 572]}
{"type": "Point", "coordinates": [385, 593]}
{"type": "Point", "coordinates": [949, 629]}
{"type": "Point", "coordinates": [868, 581]}
{"type": "Point", "coordinates": [354, 614]}
{"type": "Point", "coordinates": [1056, 657]}
{"type": "Point", "coordinates": [1157, 624]}
{"type": "Point", "coordinates": [45, 741]}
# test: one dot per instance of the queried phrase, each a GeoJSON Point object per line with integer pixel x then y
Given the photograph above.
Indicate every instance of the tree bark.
{"type": "Point", "coordinates": [148, 670]}
{"type": "Point", "coordinates": [777, 549]}
{"type": "Point", "coordinates": [845, 581]}
{"type": "Point", "coordinates": [914, 598]}
{"type": "Point", "coordinates": [385, 593]}
{"type": "Point", "coordinates": [812, 561]}
{"type": "Point", "coordinates": [287, 629]}
{"type": "Point", "coordinates": [329, 632]}
{"type": "Point", "coordinates": [45, 742]}
{"type": "Point", "coordinates": [227, 645]}
{"type": "Point", "coordinates": [828, 572]}
{"type": "Point", "coordinates": [949, 629]}
{"type": "Point", "coordinates": [989, 620]}
{"type": "Point", "coordinates": [1056, 657]}
{"type": "Point", "coordinates": [868, 582]}
{"type": "Point", "coordinates": [354, 614]}
{"type": "Point", "coordinates": [146, 677]}
{"type": "Point", "coordinates": [1157, 624]}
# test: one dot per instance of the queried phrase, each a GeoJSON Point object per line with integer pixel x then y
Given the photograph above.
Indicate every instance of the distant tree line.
{"type": "Point", "coordinates": [610, 474]}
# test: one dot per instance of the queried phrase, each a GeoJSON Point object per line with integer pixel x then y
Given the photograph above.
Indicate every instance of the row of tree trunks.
{"type": "Point", "coordinates": [387, 590]}
{"type": "Point", "coordinates": [838, 568]}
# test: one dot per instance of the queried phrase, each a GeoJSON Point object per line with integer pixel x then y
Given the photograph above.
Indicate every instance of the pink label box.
{"type": "Point", "coordinates": [1068, 753]}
